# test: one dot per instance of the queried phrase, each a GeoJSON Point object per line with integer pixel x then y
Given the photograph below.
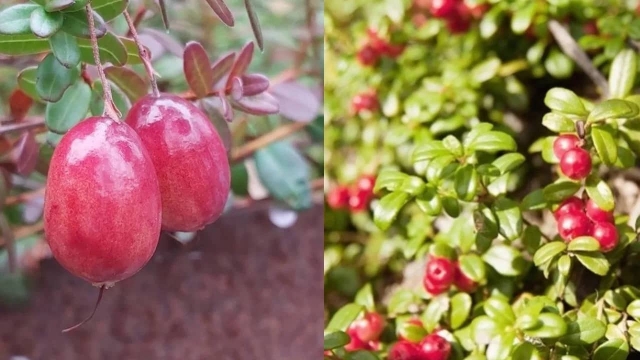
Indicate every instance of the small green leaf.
{"type": "Point", "coordinates": [558, 191]}
{"type": "Point", "coordinates": [595, 262]}
{"type": "Point", "coordinates": [501, 345]}
{"type": "Point", "coordinates": [240, 179]}
{"type": "Point", "coordinates": [454, 146]}
{"type": "Point", "coordinates": [388, 208]}
{"type": "Point", "coordinates": [584, 243]}
{"type": "Point", "coordinates": [499, 310]}
{"type": "Point", "coordinates": [565, 101]}
{"type": "Point", "coordinates": [15, 20]}
{"type": "Point", "coordinates": [27, 44]}
{"type": "Point", "coordinates": [564, 266]}
{"type": "Point", "coordinates": [70, 109]}
{"type": "Point", "coordinates": [531, 238]}
{"type": "Point", "coordinates": [108, 9]}
{"type": "Point", "coordinates": [633, 309]}
{"type": "Point", "coordinates": [534, 201]}
{"type": "Point", "coordinates": [622, 73]}
{"type": "Point", "coordinates": [508, 162]}
{"type": "Point", "coordinates": [335, 340]}
{"type": "Point", "coordinates": [613, 109]}
{"type": "Point", "coordinates": [45, 24]}
{"type": "Point", "coordinates": [600, 193]}
{"type": "Point", "coordinates": [559, 65]}
{"type": "Point", "coordinates": [344, 317]}
{"type": "Point", "coordinates": [585, 330]}
{"type": "Point", "coordinates": [509, 218]}
{"type": "Point", "coordinates": [551, 325]}
{"type": "Point", "coordinates": [437, 308]}
{"type": "Point", "coordinates": [614, 349]}
{"type": "Point", "coordinates": [362, 354]}
{"type": "Point", "coordinates": [466, 182]}
{"type": "Point", "coordinates": [558, 123]}
{"type": "Point", "coordinates": [460, 309]}
{"type": "Point", "coordinates": [401, 301]}
{"type": "Point", "coordinates": [522, 17]}
{"type": "Point", "coordinates": [548, 251]}
{"type": "Point", "coordinates": [57, 5]}
{"type": "Point", "coordinates": [52, 78]}
{"type": "Point", "coordinates": [451, 206]}
{"type": "Point", "coordinates": [505, 260]}
{"type": "Point", "coordinates": [486, 70]}
{"type": "Point", "coordinates": [429, 201]}
{"type": "Point", "coordinates": [493, 141]}
{"type": "Point", "coordinates": [77, 24]}
{"type": "Point", "coordinates": [65, 48]}
{"type": "Point", "coordinates": [473, 267]}
{"type": "Point", "coordinates": [483, 329]}
{"type": "Point", "coordinates": [430, 150]}
{"type": "Point", "coordinates": [27, 81]}
{"type": "Point", "coordinates": [605, 144]}
{"type": "Point", "coordinates": [364, 297]}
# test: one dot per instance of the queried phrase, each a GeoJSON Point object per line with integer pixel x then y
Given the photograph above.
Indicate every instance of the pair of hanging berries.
{"type": "Point", "coordinates": [441, 273]}
{"type": "Point", "coordinates": [355, 198]}
{"type": "Point", "coordinates": [575, 162]}
{"type": "Point", "coordinates": [377, 47]}
{"type": "Point", "coordinates": [576, 218]}
{"type": "Point", "coordinates": [432, 347]}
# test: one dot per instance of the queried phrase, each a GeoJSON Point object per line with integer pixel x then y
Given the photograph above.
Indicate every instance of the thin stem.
{"type": "Point", "coordinates": [144, 55]}
{"type": "Point", "coordinates": [252, 146]}
{"type": "Point", "coordinates": [109, 107]}
{"type": "Point", "coordinates": [28, 124]}
{"type": "Point", "coordinates": [9, 242]}
{"type": "Point", "coordinates": [92, 313]}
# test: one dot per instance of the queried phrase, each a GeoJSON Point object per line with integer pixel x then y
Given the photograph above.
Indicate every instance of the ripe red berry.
{"type": "Point", "coordinates": [355, 343]}
{"type": "Point", "coordinates": [404, 350]}
{"type": "Point", "coordinates": [359, 199]}
{"type": "Point", "coordinates": [368, 56]}
{"type": "Point", "coordinates": [596, 214]}
{"type": "Point", "coordinates": [369, 327]}
{"type": "Point", "coordinates": [571, 205]}
{"type": "Point", "coordinates": [338, 197]}
{"type": "Point", "coordinates": [435, 347]}
{"type": "Point", "coordinates": [462, 282]}
{"type": "Point", "coordinates": [102, 209]}
{"type": "Point", "coordinates": [366, 182]}
{"type": "Point", "coordinates": [458, 24]}
{"type": "Point", "coordinates": [364, 101]}
{"type": "Point", "coordinates": [564, 143]}
{"type": "Point", "coordinates": [573, 225]}
{"type": "Point", "coordinates": [606, 234]}
{"type": "Point", "coordinates": [190, 160]}
{"type": "Point", "coordinates": [442, 8]}
{"type": "Point", "coordinates": [576, 164]}
{"type": "Point", "coordinates": [439, 275]}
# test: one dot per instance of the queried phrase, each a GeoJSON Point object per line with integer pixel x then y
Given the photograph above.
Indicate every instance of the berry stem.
{"type": "Point", "coordinates": [144, 55]}
{"type": "Point", "coordinates": [109, 107]}
{"type": "Point", "coordinates": [92, 313]}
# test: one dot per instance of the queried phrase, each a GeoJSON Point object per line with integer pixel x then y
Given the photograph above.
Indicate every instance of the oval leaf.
{"type": "Point", "coordinates": [45, 24]}
{"type": "Point", "coordinates": [547, 252]}
{"type": "Point", "coordinates": [565, 101]}
{"type": "Point", "coordinates": [65, 48]}
{"type": "Point", "coordinates": [16, 20]}
{"type": "Point", "coordinates": [605, 144]}
{"type": "Point", "coordinates": [388, 207]}
{"type": "Point", "coordinates": [595, 262]}
{"type": "Point", "coordinates": [131, 84]}
{"type": "Point", "coordinates": [600, 193]}
{"type": "Point", "coordinates": [52, 78]}
{"type": "Point", "coordinates": [242, 62]}
{"type": "Point", "coordinates": [197, 69]}
{"type": "Point", "coordinates": [297, 102]}
{"type": "Point", "coordinates": [263, 104]}
{"type": "Point", "coordinates": [622, 73]}
{"type": "Point", "coordinates": [613, 109]}
{"type": "Point", "coordinates": [70, 110]}
{"type": "Point", "coordinates": [222, 11]}
{"type": "Point", "coordinates": [77, 24]}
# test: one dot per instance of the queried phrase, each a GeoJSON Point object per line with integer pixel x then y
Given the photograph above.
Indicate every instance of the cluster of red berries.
{"type": "Point", "coordinates": [431, 347]}
{"type": "Point", "coordinates": [355, 198]}
{"type": "Point", "coordinates": [377, 47]}
{"type": "Point", "coordinates": [457, 14]}
{"type": "Point", "coordinates": [575, 162]}
{"type": "Point", "coordinates": [576, 218]}
{"type": "Point", "coordinates": [365, 332]}
{"type": "Point", "coordinates": [365, 101]}
{"type": "Point", "coordinates": [441, 273]}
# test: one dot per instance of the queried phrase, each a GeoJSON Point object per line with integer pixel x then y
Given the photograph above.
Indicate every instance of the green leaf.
{"type": "Point", "coordinates": [522, 17]}
{"type": "Point", "coordinates": [388, 207]}
{"type": "Point", "coordinates": [22, 45]}
{"type": "Point", "coordinates": [531, 238]}
{"type": "Point", "coordinates": [534, 201]}
{"type": "Point", "coordinates": [473, 267]}
{"type": "Point", "coordinates": [501, 345]}
{"type": "Point", "coordinates": [429, 150]}
{"type": "Point", "coordinates": [437, 308]}
{"type": "Point", "coordinates": [111, 50]}
{"type": "Point", "coordinates": [70, 109]}
{"type": "Point", "coordinates": [483, 329]}
{"type": "Point", "coordinates": [584, 331]}
{"type": "Point", "coordinates": [548, 251]}
{"type": "Point", "coordinates": [401, 301]}
{"type": "Point", "coordinates": [27, 81]}
{"type": "Point", "coordinates": [550, 326]}
{"type": "Point", "coordinates": [505, 260]}
{"type": "Point", "coordinates": [509, 218]}
{"type": "Point", "coordinates": [454, 146]}
{"type": "Point", "coordinates": [614, 349]}
{"type": "Point", "coordinates": [466, 182]}
{"type": "Point", "coordinates": [564, 266]}
{"type": "Point", "coordinates": [362, 355]}
{"type": "Point", "coordinates": [240, 179]}
{"type": "Point", "coordinates": [52, 78]}
{"type": "Point", "coordinates": [410, 331]}
{"type": "Point", "coordinates": [451, 206]}
{"type": "Point", "coordinates": [493, 141]}
{"type": "Point", "coordinates": [595, 262]}
{"type": "Point", "coordinates": [613, 109]}
{"type": "Point", "coordinates": [508, 162]}
{"type": "Point", "coordinates": [600, 193]}
{"type": "Point", "coordinates": [559, 65]}
{"type": "Point", "coordinates": [285, 173]}
{"type": "Point", "coordinates": [565, 101]}
{"type": "Point", "coordinates": [460, 309]}
{"type": "Point", "coordinates": [77, 24]}
{"type": "Point", "coordinates": [389, 179]}
{"type": "Point", "coordinates": [429, 201]}
{"type": "Point", "coordinates": [57, 5]}
{"type": "Point", "coordinates": [109, 9]}
{"type": "Point", "coordinates": [556, 192]}
{"type": "Point", "coordinates": [558, 123]}
{"type": "Point", "coordinates": [364, 297]}
{"type": "Point", "coordinates": [633, 309]}
{"type": "Point", "coordinates": [15, 20]}
{"type": "Point", "coordinates": [132, 84]}
{"type": "Point", "coordinates": [344, 317]}
{"type": "Point", "coordinates": [622, 73]}
{"type": "Point", "coordinates": [499, 310]}
{"type": "Point", "coordinates": [45, 24]}
{"type": "Point", "coordinates": [65, 48]}
{"type": "Point", "coordinates": [605, 144]}
{"type": "Point", "coordinates": [584, 243]}
{"type": "Point", "coordinates": [486, 70]}
{"type": "Point", "coordinates": [412, 185]}
{"type": "Point", "coordinates": [335, 340]}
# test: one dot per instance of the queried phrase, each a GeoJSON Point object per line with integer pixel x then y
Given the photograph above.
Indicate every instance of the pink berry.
{"type": "Point", "coordinates": [364, 101]}
{"type": "Point", "coordinates": [368, 56]}
{"type": "Point", "coordinates": [439, 275]}
{"type": "Point", "coordinates": [564, 143]}
{"type": "Point", "coordinates": [606, 234]}
{"type": "Point", "coordinates": [442, 8]}
{"type": "Point", "coordinates": [435, 347]}
{"type": "Point", "coordinates": [576, 164]}
{"type": "Point", "coordinates": [404, 350]}
{"type": "Point", "coordinates": [369, 327]}
{"type": "Point", "coordinates": [366, 183]}
{"type": "Point", "coordinates": [338, 197]}
{"type": "Point", "coordinates": [359, 199]}
{"type": "Point", "coordinates": [571, 205]}
{"type": "Point", "coordinates": [573, 225]}
{"type": "Point", "coordinates": [597, 214]}
{"type": "Point", "coordinates": [356, 343]}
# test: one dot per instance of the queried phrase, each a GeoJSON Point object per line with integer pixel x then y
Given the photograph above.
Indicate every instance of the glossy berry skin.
{"type": "Point", "coordinates": [356, 343]}
{"type": "Point", "coordinates": [435, 347]}
{"type": "Point", "coordinates": [576, 164]}
{"type": "Point", "coordinates": [570, 205]}
{"type": "Point", "coordinates": [462, 282]}
{"type": "Point", "coordinates": [102, 209]}
{"type": "Point", "coordinates": [338, 197]}
{"type": "Point", "coordinates": [404, 350]}
{"type": "Point", "coordinates": [369, 327]}
{"type": "Point", "coordinates": [366, 183]}
{"type": "Point", "coordinates": [365, 101]}
{"type": "Point", "coordinates": [439, 275]}
{"type": "Point", "coordinates": [564, 143]}
{"type": "Point", "coordinates": [189, 157]}
{"type": "Point", "coordinates": [606, 234]}
{"type": "Point", "coordinates": [596, 214]}
{"type": "Point", "coordinates": [442, 8]}
{"type": "Point", "coordinates": [359, 199]}
{"type": "Point", "coordinates": [368, 56]}
{"type": "Point", "coordinates": [573, 225]}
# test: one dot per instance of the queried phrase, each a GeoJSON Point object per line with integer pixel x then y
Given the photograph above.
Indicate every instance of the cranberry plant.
{"type": "Point", "coordinates": [502, 221]}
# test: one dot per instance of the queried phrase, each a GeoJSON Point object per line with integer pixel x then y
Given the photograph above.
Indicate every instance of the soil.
{"type": "Point", "coordinates": [241, 290]}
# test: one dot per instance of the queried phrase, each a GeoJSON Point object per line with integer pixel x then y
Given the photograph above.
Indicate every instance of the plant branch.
{"type": "Point", "coordinates": [571, 49]}
{"type": "Point", "coordinates": [10, 242]}
{"type": "Point", "coordinates": [278, 134]}
{"type": "Point", "coordinates": [32, 123]}
{"type": "Point", "coordinates": [25, 196]}
{"type": "Point", "coordinates": [144, 55]}
{"type": "Point", "coordinates": [109, 107]}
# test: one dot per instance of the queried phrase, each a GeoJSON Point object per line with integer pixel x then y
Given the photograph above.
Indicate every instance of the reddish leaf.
{"type": "Point", "coordinates": [223, 12]}
{"type": "Point", "coordinates": [131, 84]}
{"type": "Point", "coordinates": [297, 102]}
{"type": "Point", "coordinates": [263, 104]}
{"type": "Point", "coordinates": [211, 107]}
{"type": "Point", "coordinates": [221, 69]}
{"type": "Point", "coordinates": [20, 103]}
{"type": "Point", "coordinates": [25, 154]}
{"type": "Point", "coordinates": [254, 84]}
{"type": "Point", "coordinates": [227, 110]}
{"type": "Point", "coordinates": [255, 23]}
{"type": "Point", "coordinates": [167, 41]}
{"type": "Point", "coordinates": [242, 62]}
{"type": "Point", "coordinates": [236, 88]}
{"type": "Point", "coordinates": [197, 69]}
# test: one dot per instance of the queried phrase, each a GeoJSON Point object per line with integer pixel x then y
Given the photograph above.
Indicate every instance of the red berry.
{"type": "Point", "coordinates": [576, 164]}
{"type": "Point", "coordinates": [364, 101]}
{"type": "Point", "coordinates": [393, 51]}
{"type": "Point", "coordinates": [458, 24]}
{"type": "Point", "coordinates": [366, 183]}
{"type": "Point", "coordinates": [369, 327]}
{"type": "Point", "coordinates": [606, 234]}
{"type": "Point", "coordinates": [359, 199]}
{"type": "Point", "coordinates": [355, 343]}
{"type": "Point", "coordinates": [462, 282]}
{"type": "Point", "coordinates": [573, 225]}
{"type": "Point", "coordinates": [442, 8]}
{"type": "Point", "coordinates": [338, 197]}
{"type": "Point", "coordinates": [377, 43]}
{"type": "Point", "coordinates": [571, 205]}
{"type": "Point", "coordinates": [190, 160]}
{"type": "Point", "coordinates": [435, 347]}
{"type": "Point", "coordinates": [404, 350]}
{"type": "Point", "coordinates": [368, 56]}
{"type": "Point", "coordinates": [434, 288]}
{"type": "Point", "coordinates": [439, 275]}
{"type": "Point", "coordinates": [596, 214]}
{"type": "Point", "coordinates": [102, 209]}
{"type": "Point", "coordinates": [564, 143]}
